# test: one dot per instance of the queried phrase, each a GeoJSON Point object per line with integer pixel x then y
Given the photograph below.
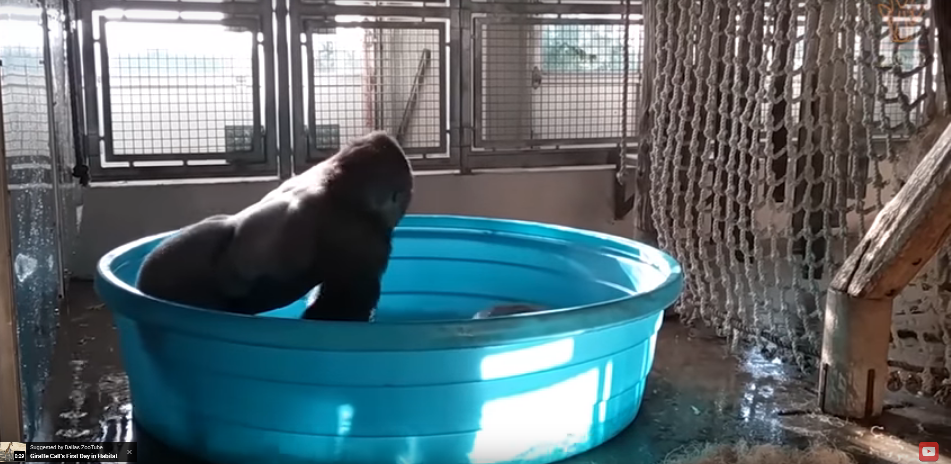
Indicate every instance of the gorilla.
{"type": "Point", "coordinates": [331, 226]}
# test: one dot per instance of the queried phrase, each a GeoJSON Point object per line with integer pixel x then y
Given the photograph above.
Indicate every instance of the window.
{"type": "Point", "coordinates": [340, 51]}
{"type": "Point", "coordinates": [576, 48]}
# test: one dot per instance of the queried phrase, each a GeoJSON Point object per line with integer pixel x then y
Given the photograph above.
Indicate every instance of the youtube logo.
{"type": "Point", "coordinates": [928, 451]}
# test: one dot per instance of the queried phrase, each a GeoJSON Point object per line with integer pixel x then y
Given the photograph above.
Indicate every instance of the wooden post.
{"type": "Point", "coordinates": [854, 355]}
{"type": "Point", "coordinates": [908, 231]}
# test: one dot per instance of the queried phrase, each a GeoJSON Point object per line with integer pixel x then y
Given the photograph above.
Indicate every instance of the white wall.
{"type": "Point", "coordinates": [114, 214]}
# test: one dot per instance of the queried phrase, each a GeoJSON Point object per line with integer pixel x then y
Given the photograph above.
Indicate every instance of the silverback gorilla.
{"type": "Point", "coordinates": [330, 226]}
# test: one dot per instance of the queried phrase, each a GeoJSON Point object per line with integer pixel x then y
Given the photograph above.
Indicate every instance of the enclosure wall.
{"type": "Point", "coordinates": [114, 215]}
{"type": "Point", "coordinates": [39, 151]}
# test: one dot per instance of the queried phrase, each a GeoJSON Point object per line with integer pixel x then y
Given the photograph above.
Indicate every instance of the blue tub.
{"type": "Point", "coordinates": [423, 383]}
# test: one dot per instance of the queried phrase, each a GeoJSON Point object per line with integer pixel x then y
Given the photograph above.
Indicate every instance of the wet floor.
{"type": "Point", "coordinates": [697, 393]}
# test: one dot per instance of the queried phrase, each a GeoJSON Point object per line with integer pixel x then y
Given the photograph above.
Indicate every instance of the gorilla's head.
{"type": "Point", "coordinates": [373, 170]}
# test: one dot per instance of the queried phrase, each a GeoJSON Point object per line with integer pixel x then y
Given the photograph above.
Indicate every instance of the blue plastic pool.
{"type": "Point", "coordinates": [423, 383]}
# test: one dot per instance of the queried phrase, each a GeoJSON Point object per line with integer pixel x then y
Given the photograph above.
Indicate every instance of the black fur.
{"type": "Point", "coordinates": [330, 226]}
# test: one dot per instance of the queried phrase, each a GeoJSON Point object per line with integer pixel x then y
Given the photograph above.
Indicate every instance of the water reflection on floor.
{"type": "Point", "coordinates": [697, 392]}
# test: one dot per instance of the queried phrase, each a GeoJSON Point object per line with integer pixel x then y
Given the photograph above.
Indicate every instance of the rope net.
{"type": "Point", "coordinates": [779, 130]}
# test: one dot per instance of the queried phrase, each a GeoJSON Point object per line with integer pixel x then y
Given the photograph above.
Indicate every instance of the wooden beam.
{"type": "Point", "coordinates": [907, 233]}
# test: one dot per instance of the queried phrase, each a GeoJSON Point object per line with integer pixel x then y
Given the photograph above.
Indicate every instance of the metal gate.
{"type": "Point", "coordinates": [201, 89]}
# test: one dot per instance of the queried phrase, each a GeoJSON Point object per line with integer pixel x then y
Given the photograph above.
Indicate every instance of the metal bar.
{"type": "Point", "coordinates": [184, 172]}
{"type": "Point", "coordinates": [272, 155]}
{"type": "Point", "coordinates": [476, 79]}
{"type": "Point", "coordinates": [106, 90]}
{"type": "Point", "coordinates": [250, 24]}
{"type": "Point", "coordinates": [410, 108]}
{"type": "Point", "coordinates": [298, 81]}
{"type": "Point", "coordinates": [442, 162]}
{"type": "Point", "coordinates": [311, 106]}
{"type": "Point", "coordinates": [74, 74]}
{"type": "Point", "coordinates": [430, 152]}
{"type": "Point", "coordinates": [257, 144]}
{"type": "Point", "coordinates": [544, 159]}
{"type": "Point", "coordinates": [378, 83]}
{"type": "Point", "coordinates": [553, 9]}
{"type": "Point", "coordinates": [253, 156]}
{"type": "Point", "coordinates": [465, 90]}
{"type": "Point", "coordinates": [223, 7]}
{"type": "Point", "coordinates": [11, 405]}
{"type": "Point", "coordinates": [560, 143]}
{"type": "Point", "coordinates": [522, 21]}
{"type": "Point", "coordinates": [390, 12]}
{"type": "Point", "coordinates": [555, 148]}
{"type": "Point", "coordinates": [311, 25]}
{"type": "Point", "coordinates": [443, 85]}
{"type": "Point", "coordinates": [455, 84]}
{"type": "Point", "coordinates": [92, 136]}
{"type": "Point", "coordinates": [317, 154]}
{"type": "Point", "coordinates": [285, 157]}
{"type": "Point", "coordinates": [418, 160]}
{"type": "Point", "coordinates": [20, 17]}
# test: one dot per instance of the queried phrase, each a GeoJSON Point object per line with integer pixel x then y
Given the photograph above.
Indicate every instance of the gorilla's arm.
{"type": "Point", "coordinates": [346, 298]}
{"type": "Point", "coordinates": [354, 260]}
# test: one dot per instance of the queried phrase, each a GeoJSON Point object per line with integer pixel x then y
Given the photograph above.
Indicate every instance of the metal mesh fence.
{"type": "Point", "coordinates": [167, 92]}
{"type": "Point", "coordinates": [25, 99]}
{"type": "Point", "coordinates": [179, 88]}
{"type": "Point", "coordinates": [552, 81]}
{"type": "Point", "coordinates": [365, 77]}
{"type": "Point", "coordinates": [780, 129]}
{"type": "Point", "coordinates": [33, 202]}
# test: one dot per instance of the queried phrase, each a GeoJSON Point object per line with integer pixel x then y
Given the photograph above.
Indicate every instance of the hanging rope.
{"type": "Point", "coordinates": [622, 152]}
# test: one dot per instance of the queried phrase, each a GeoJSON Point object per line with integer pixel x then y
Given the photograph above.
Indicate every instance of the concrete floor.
{"type": "Point", "coordinates": [697, 393]}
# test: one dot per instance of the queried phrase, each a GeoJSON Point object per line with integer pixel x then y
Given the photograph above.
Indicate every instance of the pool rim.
{"type": "Point", "coordinates": [121, 298]}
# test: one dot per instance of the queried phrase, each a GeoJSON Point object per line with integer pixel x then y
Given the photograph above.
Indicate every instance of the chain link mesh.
{"type": "Point", "coordinates": [780, 129]}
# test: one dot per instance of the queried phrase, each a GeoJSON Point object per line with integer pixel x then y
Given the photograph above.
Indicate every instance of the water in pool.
{"type": "Point", "coordinates": [432, 277]}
